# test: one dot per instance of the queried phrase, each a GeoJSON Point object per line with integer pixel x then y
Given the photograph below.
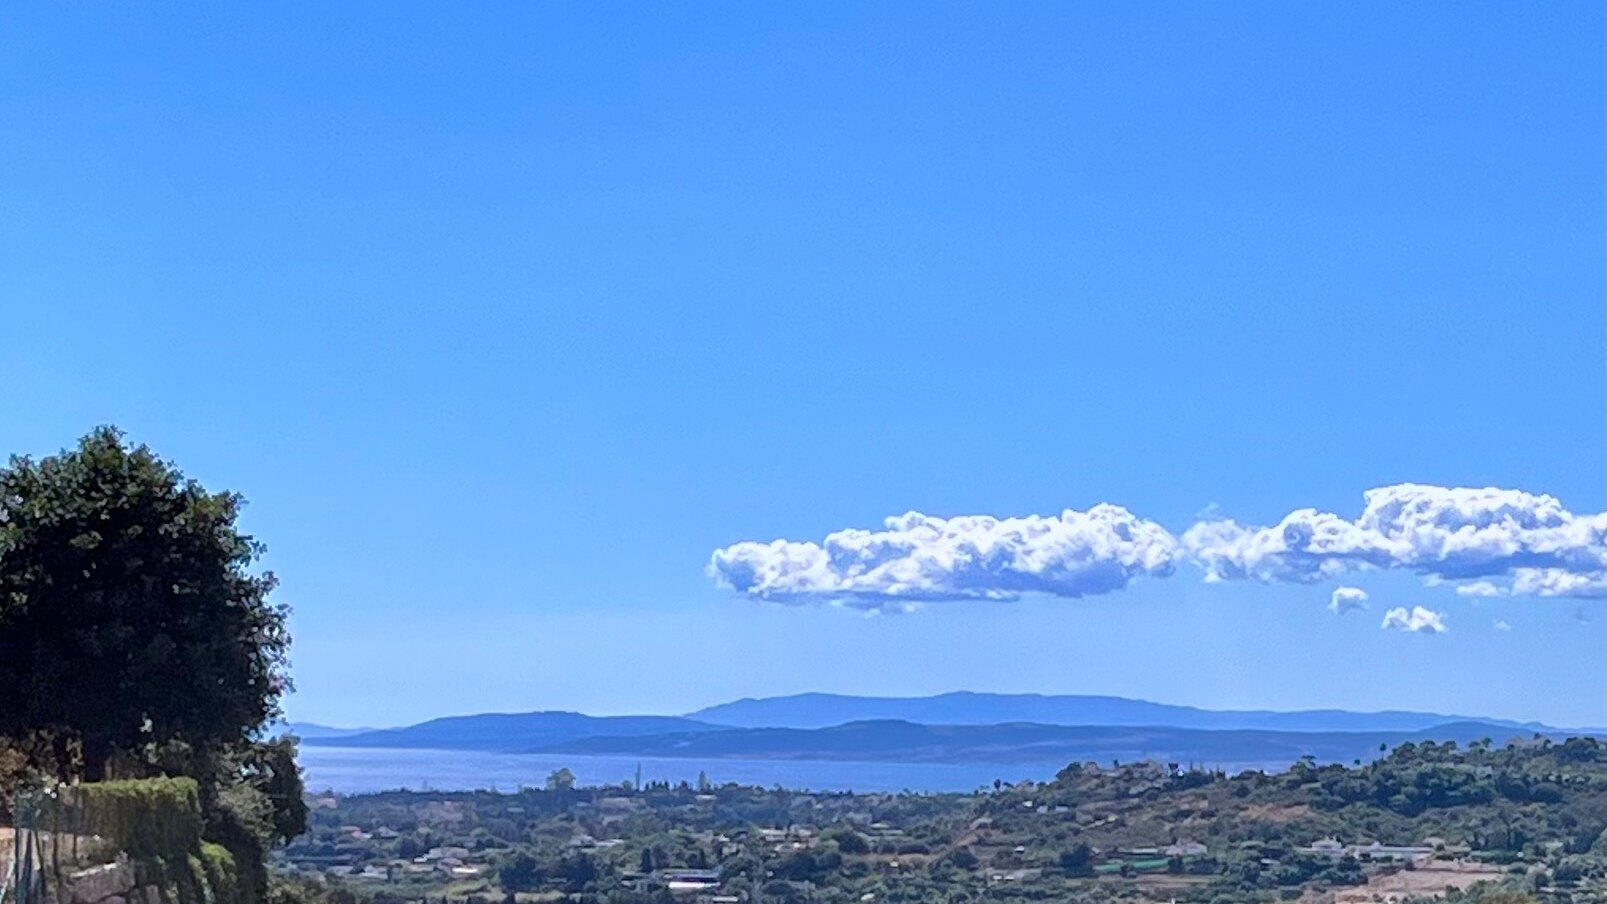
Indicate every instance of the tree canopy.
{"type": "Point", "coordinates": [130, 613]}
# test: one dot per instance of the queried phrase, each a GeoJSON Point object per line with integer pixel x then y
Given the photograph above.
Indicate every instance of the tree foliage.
{"type": "Point", "coordinates": [521, 872]}
{"type": "Point", "coordinates": [130, 615]}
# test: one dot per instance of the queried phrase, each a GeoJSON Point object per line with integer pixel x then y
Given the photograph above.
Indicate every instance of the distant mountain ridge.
{"type": "Point", "coordinates": [306, 730]}
{"type": "Point", "coordinates": [506, 732]}
{"type": "Point", "coordinates": [969, 708]}
{"type": "Point", "coordinates": [956, 727]}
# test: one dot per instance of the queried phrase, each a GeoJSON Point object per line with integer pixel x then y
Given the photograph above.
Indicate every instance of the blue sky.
{"type": "Point", "coordinates": [506, 318]}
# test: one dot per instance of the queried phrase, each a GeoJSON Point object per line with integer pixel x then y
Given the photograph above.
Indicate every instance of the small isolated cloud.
{"type": "Point", "coordinates": [1480, 589]}
{"type": "Point", "coordinates": [920, 558]}
{"type": "Point", "coordinates": [1449, 533]}
{"type": "Point", "coordinates": [889, 608]}
{"type": "Point", "coordinates": [1501, 625]}
{"type": "Point", "coordinates": [1418, 619]}
{"type": "Point", "coordinates": [1347, 599]}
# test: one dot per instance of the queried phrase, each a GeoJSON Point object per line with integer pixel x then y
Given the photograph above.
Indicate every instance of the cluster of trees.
{"type": "Point", "coordinates": [524, 872]}
{"type": "Point", "coordinates": [1417, 778]}
{"type": "Point", "coordinates": [703, 785]}
{"type": "Point", "coordinates": [137, 639]}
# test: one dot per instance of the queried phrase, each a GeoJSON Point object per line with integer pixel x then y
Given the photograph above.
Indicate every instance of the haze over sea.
{"type": "Point", "coordinates": [349, 770]}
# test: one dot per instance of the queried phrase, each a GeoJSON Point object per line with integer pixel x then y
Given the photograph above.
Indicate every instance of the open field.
{"type": "Point", "coordinates": [1430, 880]}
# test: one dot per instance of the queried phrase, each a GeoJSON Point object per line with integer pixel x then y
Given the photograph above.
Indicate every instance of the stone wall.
{"type": "Point", "coordinates": [108, 883]}
{"type": "Point", "coordinates": [117, 882]}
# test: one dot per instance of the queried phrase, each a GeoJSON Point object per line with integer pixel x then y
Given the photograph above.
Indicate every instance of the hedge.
{"type": "Point", "coordinates": [151, 817]}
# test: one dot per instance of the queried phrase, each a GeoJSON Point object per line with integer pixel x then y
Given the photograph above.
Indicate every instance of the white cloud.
{"type": "Point", "coordinates": [1419, 619]}
{"type": "Point", "coordinates": [1540, 582]}
{"type": "Point", "coordinates": [1450, 533]}
{"type": "Point", "coordinates": [924, 558]}
{"type": "Point", "coordinates": [1557, 582]}
{"type": "Point", "coordinates": [1487, 542]}
{"type": "Point", "coordinates": [1501, 625]}
{"type": "Point", "coordinates": [1347, 599]}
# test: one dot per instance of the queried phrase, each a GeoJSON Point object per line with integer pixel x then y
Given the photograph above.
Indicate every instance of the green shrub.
{"type": "Point", "coordinates": [222, 880]}
{"type": "Point", "coordinates": [849, 841]}
{"type": "Point", "coordinates": [158, 823]}
{"type": "Point", "coordinates": [204, 876]}
{"type": "Point", "coordinates": [152, 817]}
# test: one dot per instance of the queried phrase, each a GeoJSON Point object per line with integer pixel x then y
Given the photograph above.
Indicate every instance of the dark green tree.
{"type": "Point", "coordinates": [849, 841]}
{"type": "Point", "coordinates": [1078, 861]}
{"type": "Point", "coordinates": [577, 871]}
{"type": "Point", "coordinates": [521, 872]}
{"type": "Point", "coordinates": [130, 614]}
{"type": "Point", "coordinates": [964, 859]}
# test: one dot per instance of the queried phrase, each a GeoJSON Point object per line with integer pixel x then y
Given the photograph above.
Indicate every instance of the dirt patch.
{"type": "Point", "coordinates": [1284, 813]}
{"type": "Point", "coordinates": [1429, 881]}
{"type": "Point", "coordinates": [1171, 881]}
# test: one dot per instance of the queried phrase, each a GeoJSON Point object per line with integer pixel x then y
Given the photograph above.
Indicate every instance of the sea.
{"type": "Point", "coordinates": [352, 770]}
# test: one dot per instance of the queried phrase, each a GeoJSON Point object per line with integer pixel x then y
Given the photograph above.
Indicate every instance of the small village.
{"type": "Point", "coordinates": [1438, 866]}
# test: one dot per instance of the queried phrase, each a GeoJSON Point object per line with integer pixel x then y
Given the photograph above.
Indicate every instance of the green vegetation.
{"type": "Point", "coordinates": [129, 617]}
{"type": "Point", "coordinates": [1527, 819]}
{"type": "Point", "coordinates": [158, 817]}
{"type": "Point", "coordinates": [217, 867]}
{"type": "Point", "coordinates": [155, 822]}
{"type": "Point", "coordinates": [137, 644]}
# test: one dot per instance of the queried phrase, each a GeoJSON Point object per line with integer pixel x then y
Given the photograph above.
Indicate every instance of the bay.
{"type": "Point", "coordinates": [350, 770]}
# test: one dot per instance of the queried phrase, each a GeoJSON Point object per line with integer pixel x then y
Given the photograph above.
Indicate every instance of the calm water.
{"type": "Point", "coordinates": [353, 770]}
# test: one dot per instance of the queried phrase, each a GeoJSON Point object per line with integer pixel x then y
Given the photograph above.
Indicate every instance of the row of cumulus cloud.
{"type": "Point", "coordinates": [1489, 542]}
